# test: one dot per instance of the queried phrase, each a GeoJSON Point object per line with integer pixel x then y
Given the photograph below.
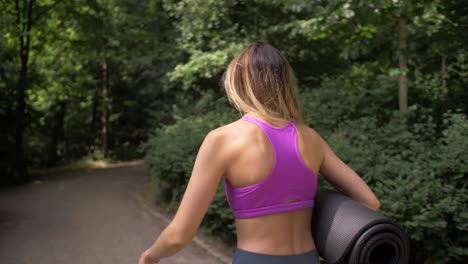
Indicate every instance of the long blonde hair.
{"type": "Point", "coordinates": [260, 81]}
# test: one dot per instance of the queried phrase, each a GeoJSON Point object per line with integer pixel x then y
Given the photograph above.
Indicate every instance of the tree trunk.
{"type": "Point", "coordinates": [57, 133]}
{"type": "Point", "coordinates": [443, 73]}
{"type": "Point", "coordinates": [93, 127]}
{"type": "Point", "coordinates": [23, 26]}
{"type": "Point", "coordinates": [20, 116]}
{"type": "Point", "coordinates": [105, 109]}
{"type": "Point", "coordinates": [403, 64]}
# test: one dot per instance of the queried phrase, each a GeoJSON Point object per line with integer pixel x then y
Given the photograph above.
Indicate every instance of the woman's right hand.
{"type": "Point", "coordinates": [145, 258]}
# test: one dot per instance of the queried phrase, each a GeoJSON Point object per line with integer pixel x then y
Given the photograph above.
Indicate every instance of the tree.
{"type": "Point", "coordinates": [24, 23]}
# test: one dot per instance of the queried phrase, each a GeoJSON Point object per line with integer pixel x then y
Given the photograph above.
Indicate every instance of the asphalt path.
{"type": "Point", "coordinates": [86, 216]}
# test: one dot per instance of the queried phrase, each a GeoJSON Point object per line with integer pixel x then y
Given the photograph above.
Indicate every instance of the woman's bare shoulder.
{"type": "Point", "coordinates": [309, 132]}
{"type": "Point", "coordinates": [226, 130]}
{"type": "Point", "coordinates": [232, 136]}
{"type": "Point", "coordinates": [236, 129]}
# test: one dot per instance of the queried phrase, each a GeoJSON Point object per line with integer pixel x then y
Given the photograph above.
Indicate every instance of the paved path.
{"type": "Point", "coordinates": [86, 216]}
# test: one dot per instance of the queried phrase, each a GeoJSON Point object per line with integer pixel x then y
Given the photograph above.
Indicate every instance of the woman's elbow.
{"type": "Point", "coordinates": [178, 238]}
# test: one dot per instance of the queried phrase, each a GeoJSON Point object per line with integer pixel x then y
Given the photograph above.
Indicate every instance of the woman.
{"type": "Point", "coordinates": [269, 160]}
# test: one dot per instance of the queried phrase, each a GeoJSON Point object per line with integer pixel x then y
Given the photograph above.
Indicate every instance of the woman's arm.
{"type": "Point", "coordinates": [344, 179]}
{"type": "Point", "coordinates": [209, 167]}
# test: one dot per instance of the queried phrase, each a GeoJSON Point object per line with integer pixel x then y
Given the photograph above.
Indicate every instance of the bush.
{"type": "Point", "coordinates": [364, 90]}
{"type": "Point", "coordinates": [419, 178]}
{"type": "Point", "coordinates": [171, 152]}
{"type": "Point", "coordinates": [418, 171]}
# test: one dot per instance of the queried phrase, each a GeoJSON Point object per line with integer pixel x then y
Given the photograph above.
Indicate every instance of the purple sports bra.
{"type": "Point", "coordinates": [289, 180]}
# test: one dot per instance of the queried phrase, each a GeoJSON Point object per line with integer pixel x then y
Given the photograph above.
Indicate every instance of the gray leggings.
{"type": "Point", "coordinates": [246, 257]}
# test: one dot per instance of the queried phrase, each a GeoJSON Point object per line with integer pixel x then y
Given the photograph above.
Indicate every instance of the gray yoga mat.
{"type": "Point", "coordinates": [345, 231]}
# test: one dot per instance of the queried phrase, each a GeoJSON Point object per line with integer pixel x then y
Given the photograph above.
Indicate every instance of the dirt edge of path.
{"type": "Point", "coordinates": [212, 247]}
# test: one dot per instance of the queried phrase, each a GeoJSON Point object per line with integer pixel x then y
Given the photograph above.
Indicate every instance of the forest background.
{"type": "Point", "coordinates": [383, 81]}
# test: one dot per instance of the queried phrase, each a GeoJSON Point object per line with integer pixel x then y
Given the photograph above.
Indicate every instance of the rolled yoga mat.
{"type": "Point", "coordinates": [345, 231]}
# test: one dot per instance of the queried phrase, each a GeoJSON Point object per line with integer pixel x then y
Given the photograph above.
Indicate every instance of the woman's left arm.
{"type": "Point", "coordinates": [208, 169]}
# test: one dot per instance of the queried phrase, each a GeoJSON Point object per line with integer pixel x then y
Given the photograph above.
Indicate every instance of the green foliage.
{"type": "Point", "coordinates": [420, 181]}
{"type": "Point", "coordinates": [363, 90]}
{"type": "Point", "coordinates": [219, 219]}
{"type": "Point", "coordinates": [170, 154]}
{"type": "Point", "coordinates": [203, 65]}
{"type": "Point", "coordinates": [172, 150]}
{"type": "Point", "coordinates": [418, 171]}
{"type": "Point", "coordinates": [78, 50]}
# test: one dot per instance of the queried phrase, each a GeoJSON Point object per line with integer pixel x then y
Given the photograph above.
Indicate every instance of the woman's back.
{"type": "Point", "coordinates": [270, 168]}
{"type": "Point", "coordinates": [283, 233]}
